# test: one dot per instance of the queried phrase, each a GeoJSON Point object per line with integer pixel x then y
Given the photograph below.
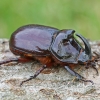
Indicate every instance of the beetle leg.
{"type": "Point", "coordinates": [77, 75]}
{"type": "Point", "coordinates": [9, 60]}
{"type": "Point", "coordinates": [95, 70]}
{"type": "Point", "coordinates": [35, 75]}
{"type": "Point", "coordinates": [93, 65]}
{"type": "Point", "coordinates": [73, 72]}
{"type": "Point", "coordinates": [87, 81]}
{"type": "Point", "coordinates": [19, 60]}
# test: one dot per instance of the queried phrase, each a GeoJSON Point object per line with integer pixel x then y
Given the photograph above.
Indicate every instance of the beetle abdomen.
{"type": "Point", "coordinates": [34, 39]}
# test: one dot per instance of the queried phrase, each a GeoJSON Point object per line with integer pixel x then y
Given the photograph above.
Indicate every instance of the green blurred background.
{"type": "Point", "coordinates": [81, 15]}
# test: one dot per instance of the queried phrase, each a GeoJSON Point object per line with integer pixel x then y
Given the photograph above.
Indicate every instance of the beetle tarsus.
{"type": "Point", "coordinates": [88, 81]}
{"type": "Point", "coordinates": [35, 75]}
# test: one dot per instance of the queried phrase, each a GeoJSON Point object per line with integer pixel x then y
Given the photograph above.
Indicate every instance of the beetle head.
{"type": "Point", "coordinates": [66, 48]}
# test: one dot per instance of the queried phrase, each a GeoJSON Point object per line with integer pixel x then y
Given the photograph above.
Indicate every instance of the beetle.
{"type": "Point", "coordinates": [50, 46]}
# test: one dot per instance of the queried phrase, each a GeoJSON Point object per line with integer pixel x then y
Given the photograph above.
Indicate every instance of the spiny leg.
{"type": "Point", "coordinates": [76, 74]}
{"type": "Point", "coordinates": [35, 75]}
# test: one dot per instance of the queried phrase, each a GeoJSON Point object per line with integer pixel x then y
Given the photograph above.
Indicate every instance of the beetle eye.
{"type": "Point", "coordinates": [65, 42]}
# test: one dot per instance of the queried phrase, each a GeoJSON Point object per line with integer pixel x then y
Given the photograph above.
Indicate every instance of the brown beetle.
{"type": "Point", "coordinates": [51, 47]}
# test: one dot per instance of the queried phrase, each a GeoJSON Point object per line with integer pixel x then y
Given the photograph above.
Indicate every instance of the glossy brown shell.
{"type": "Point", "coordinates": [32, 40]}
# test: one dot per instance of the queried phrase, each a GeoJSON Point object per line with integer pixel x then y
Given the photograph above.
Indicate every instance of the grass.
{"type": "Point", "coordinates": [83, 16]}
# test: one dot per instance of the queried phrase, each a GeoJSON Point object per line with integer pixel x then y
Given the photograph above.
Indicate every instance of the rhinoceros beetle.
{"type": "Point", "coordinates": [50, 46]}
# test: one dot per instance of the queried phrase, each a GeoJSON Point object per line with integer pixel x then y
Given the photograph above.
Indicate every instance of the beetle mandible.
{"type": "Point", "coordinates": [50, 46]}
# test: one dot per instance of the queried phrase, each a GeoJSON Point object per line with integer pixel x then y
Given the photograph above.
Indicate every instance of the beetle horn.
{"type": "Point", "coordinates": [87, 45]}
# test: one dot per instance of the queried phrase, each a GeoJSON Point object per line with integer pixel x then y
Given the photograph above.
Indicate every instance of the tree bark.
{"type": "Point", "coordinates": [51, 84]}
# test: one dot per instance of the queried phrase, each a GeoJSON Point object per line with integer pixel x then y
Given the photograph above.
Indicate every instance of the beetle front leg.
{"type": "Point", "coordinates": [77, 75]}
{"type": "Point", "coordinates": [73, 73]}
{"type": "Point", "coordinates": [96, 70]}
{"type": "Point", "coordinates": [35, 75]}
{"type": "Point", "coordinates": [93, 65]}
